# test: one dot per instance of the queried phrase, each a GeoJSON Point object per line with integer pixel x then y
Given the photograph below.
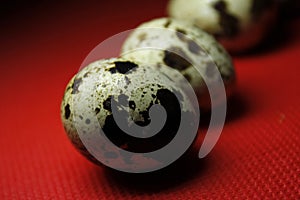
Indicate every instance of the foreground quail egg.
{"type": "Point", "coordinates": [237, 24]}
{"type": "Point", "coordinates": [179, 45]}
{"type": "Point", "coordinates": [134, 88]}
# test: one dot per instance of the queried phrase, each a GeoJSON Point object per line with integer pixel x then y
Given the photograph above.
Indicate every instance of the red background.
{"type": "Point", "coordinates": [42, 45]}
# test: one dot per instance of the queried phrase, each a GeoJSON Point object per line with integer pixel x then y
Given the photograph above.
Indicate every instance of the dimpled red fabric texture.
{"type": "Point", "coordinates": [42, 47]}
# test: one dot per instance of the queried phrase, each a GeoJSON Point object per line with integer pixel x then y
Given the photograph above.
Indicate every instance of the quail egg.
{"type": "Point", "coordinates": [179, 45]}
{"type": "Point", "coordinates": [132, 88]}
{"type": "Point", "coordinates": [238, 25]}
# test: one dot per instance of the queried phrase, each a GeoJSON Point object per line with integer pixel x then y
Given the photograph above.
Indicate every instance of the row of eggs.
{"type": "Point", "coordinates": [142, 77]}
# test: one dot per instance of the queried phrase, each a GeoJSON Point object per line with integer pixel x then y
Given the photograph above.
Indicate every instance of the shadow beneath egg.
{"type": "Point", "coordinates": [237, 107]}
{"type": "Point", "coordinates": [278, 37]}
{"type": "Point", "coordinates": [186, 168]}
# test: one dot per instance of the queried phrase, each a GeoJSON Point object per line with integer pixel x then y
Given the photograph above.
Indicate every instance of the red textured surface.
{"type": "Point", "coordinates": [42, 46]}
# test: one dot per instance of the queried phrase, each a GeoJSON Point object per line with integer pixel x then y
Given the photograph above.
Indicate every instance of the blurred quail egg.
{"type": "Point", "coordinates": [134, 88]}
{"type": "Point", "coordinates": [180, 45]}
{"type": "Point", "coordinates": [238, 25]}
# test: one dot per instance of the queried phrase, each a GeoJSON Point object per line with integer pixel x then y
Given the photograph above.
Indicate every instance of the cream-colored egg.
{"type": "Point", "coordinates": [87, 106]}
{"type": "Point", "coordinates": [238, 25]}
{"type": "Point", "coordinates": [179, 45]}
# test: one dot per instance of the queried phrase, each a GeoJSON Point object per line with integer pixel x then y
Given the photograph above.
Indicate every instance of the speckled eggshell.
{"type": "Point", "coordinates": [92, 90]}
{"type": "Point", "coordinates": [238, 24]}
{"type": "Point", "coordinates": [180, 46]}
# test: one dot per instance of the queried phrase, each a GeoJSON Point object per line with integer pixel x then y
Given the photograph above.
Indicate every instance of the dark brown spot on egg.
{"type": "Point", "coordinates": [142, 36]}
{"type": "Point", "coordinates": [228, 22]}
{"type": "Point", "coordinates": [210, 69]}
{"type": "Point", "coordinates": [107, 104]}
{"type": "Point", "coordinates": [187, 77]}
{"type": "Point", "coordinates": [181, 34]}
{"type": "Point", "coordinates": [86, 74]}
{"type": "Point", "coordinates": [220, 6]}
{"type": "Point", "coordinates": [123, 99]}
{"type": "Point", "coordinates": [67, 111]}
{"type": "Point", "coordinates": [122, 67]}
{"type": "Point", "coordinates": [167, 24]}
{"type": "Point", "coordinates": [132, 105]}
{"type": "Point", "coordinates": [97, 110]}
{"type": "Point", "coordinates": [228, 75]}
{"type": "Point", "coordinates": [219, 48]}
{"type": "Point", "coordinates": [68, 88]}
{"type": "Point", "coordinates": [133, 144]}
{"type": "Point", "coordinates": [194, 47]}
{"type": "Point", "coordinates": [145, 115]}
{"type": "Point", "coordinates": [175, 58]}
{"type": "Point", "coordinates": [87, 121]}
{"type": "Point", "coordinates": [127, 80]}
{"type": "Point", "coordinates": [75, 87]}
